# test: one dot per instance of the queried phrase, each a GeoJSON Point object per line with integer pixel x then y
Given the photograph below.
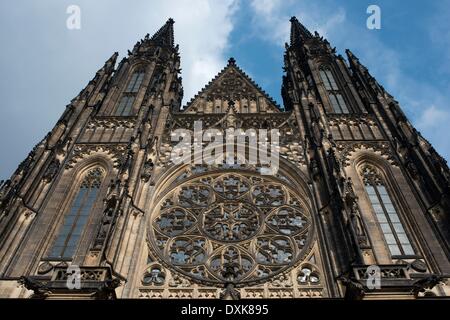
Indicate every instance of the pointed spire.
{"type": "Point", "coordinates": [164, 36]}
{"type": "Point", "coordinates": [355, 64]}
{"type": "Point", "coordinates": [299, 32]}
{"type": "Point", "coordinates": [359, 68]}
{"type": "Point", "coordinates": [350, 55]}
{"type": "Point", "coordinates": [107, 68]}
{"type": "Point", "coordinates": [110, 63]}
{"type": "Point", "coordinates": [354, 60]}
{"type": "Point", "coordinates": [232, 70]}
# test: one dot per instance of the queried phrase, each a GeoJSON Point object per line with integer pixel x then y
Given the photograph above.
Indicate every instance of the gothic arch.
{"type": "Point", "coordinates": [132, 67]}
{"type": "Point", "coordinates": [70, 182]}
{"type": "Point", "coordinates": [391, 177]}
{"type": "Point", "coordinates": [287, 170]}
{"type": "Point", "coordinates": [322, 60]}
{"type": "Point", "coordinates": [333, 84]}
{"type": "Point", "coordinates": [389, 172]}
{"type": "Point", "coordinates": [138, 65]}
{"type": "Point", "coordinates": [289, 179]}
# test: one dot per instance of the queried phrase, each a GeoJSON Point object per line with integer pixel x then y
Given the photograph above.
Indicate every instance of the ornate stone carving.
{"type": "Point", "coordinates": [231, 84]}
{"type": "Point", "coordinates": [230, 228]}
{"type": "Point", "coordinates": [80, 151]}
{"type": "Point", "coordinates": [308, 275]}
{"type": "Point", "coordinates": [52, 170]}
{"type": "Point", "coordinates": [111, 204]}
{"type": "Point", "coordinates": [110, 123]}
{"type": "Point", "coordinates": [179, 281]}
{"type": "Point", "coordinates": [346, 151]}
{"type": "Point", "coordinates": [45, 268]}
{"type": "Point", "coordinates": [154, 275]}
{"type": "Point", "coordinates": [147, 170]}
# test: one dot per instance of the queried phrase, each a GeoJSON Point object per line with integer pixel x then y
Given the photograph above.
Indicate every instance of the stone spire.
{"type": "Point", "coordinates": [359, 69]}
{"type": "Point", "coordinates": [164, 36]}
{"type": "Point", "coordinates": [110, 63]}
{"type": "Point", "coordinates": [299, 32]}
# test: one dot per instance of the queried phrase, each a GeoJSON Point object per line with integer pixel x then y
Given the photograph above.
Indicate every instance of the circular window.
{"type": "Point", "coordinates": [230, 226]}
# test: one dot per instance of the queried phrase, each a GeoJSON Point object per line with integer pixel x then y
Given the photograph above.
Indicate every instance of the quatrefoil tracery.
{"type": "Point", "coordinates": [230, 221]}
{"type": "Point", "coordinates": [237, 226]}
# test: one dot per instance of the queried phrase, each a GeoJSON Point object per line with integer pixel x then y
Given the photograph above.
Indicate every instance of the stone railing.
{"type": "Point", "coordinates": [86, 274]}
{"type": "Point", "coordinates": [390, 272]}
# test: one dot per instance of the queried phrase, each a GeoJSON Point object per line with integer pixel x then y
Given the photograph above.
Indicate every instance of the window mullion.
{"type": "Point", "coordinates": [132, 83]}
{"type": "Point", "coordinates": [388, 218]}
{"type": "Point", "coordinates": [75, 220]}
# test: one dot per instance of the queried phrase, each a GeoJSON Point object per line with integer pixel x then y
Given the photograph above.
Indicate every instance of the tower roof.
{"type": "Point", "coordinates": [299, 32]}
{"type": "Point", "coordinates": [232, 83]}
{"type": "Point", "coordinates": [164, 36]}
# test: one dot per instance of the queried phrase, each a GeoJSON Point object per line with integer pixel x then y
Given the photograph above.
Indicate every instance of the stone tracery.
{"type": "Point", "coordinates": [230, 226]}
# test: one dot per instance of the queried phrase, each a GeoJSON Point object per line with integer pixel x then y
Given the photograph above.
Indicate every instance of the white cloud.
{"type": "Point", "coordinates": [433, 123]}
{"type": "Point", "coordinates": [440, 33]}
{"type": "Point", "coordinates": [333, 22]}
{"type": "Point", "coordinates": [433, 117]}
{"type": "Point", "coordinates": [384, 63]}
{"type": "Point", "coordinates": [202, 31]}
{"type": "Point", "coordinates": [271, 19]}
{"type": "Point", "coordinates": [68, 59]}
{"type": "Point", "coordinates": [266, 7]}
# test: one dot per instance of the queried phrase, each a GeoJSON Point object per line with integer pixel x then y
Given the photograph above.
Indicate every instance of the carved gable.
{"type": "Point", "coordinates": [232, 84]}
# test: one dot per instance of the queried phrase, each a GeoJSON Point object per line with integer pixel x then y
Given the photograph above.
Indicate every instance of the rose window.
{"type": "Point", "coordinates": [234, 226]}
{"type": "Point", "coordinates": [229, 221]}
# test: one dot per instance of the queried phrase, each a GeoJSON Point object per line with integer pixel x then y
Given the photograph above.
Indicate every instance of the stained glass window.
{"type": "Point", "coordinates": [386, 214]}
{"type": "Point", "coordinates": [231, 225]}
{"type": "Point", "coordinates": [125, 106]}
{"type": "Point", "coordinates": [135, 82]}
{"type": "Point", "coordinates": [334, 93]}
{"type": "Point", "coordinates": [76, 218]}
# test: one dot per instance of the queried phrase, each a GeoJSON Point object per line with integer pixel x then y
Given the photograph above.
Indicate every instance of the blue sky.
{"type": "Point", "coordinates": [43, 65]}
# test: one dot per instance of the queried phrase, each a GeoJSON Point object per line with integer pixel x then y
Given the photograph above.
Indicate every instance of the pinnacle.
{"type": "Point", "coordinates": [351, 56]}
{"type": "Point", "coordinates": [298, 31]}
{"type": "Point", "coordinates": [164, 36]}
{"type": "Point", "coordinates": [111, 61]}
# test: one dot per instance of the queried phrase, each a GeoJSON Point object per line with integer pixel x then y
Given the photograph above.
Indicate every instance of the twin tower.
{"type": "Point", "coordinates": [358, 209]}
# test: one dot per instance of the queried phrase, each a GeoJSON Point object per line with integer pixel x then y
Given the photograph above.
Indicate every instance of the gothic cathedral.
{"type": "Point", "coordinates": [358, 208]}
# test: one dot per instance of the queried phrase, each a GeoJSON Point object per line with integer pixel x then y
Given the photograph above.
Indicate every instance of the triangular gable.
{"type": "Point", "coordinates": [231, 84]}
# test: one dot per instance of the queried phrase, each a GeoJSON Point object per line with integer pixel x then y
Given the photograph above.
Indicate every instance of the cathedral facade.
{"type": "Point", "coordinates": [358, 206]}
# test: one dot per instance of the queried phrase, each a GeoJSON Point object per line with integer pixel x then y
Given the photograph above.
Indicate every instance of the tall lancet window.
{"type": "Point", "coordinates": [386, 213]}
{"type": "Point", "coordinates": [334, 93]}
{"type": "Point", "coordinates": [135, 81]}
{"type": "Point", "coordinates": [125, 106]}
{"type": "Point", "coordinates": [76, 218]}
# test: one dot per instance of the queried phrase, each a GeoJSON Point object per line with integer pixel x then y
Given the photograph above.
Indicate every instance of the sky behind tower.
{"type": "Point", "coordinates": [43, 64]}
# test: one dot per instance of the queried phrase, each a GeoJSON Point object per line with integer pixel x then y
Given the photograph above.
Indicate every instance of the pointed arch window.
{"type": "Point", "coordinates": [328, 79]}
{"type": "Point", "coordinates": [76, 218]}
{"type": "Point", "coordinates": [386, 213]}
{"type": "Point", "coordinates": [136, 81]}
{"type": "Point", "coordinates": [125, 105]}
{"type": "Point", "coordinates": [334, 93]}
